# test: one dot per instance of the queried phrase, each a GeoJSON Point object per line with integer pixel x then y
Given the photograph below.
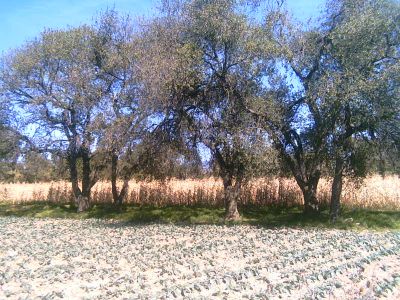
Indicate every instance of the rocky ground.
{"type": "Point", "coordinates": [95, 259]}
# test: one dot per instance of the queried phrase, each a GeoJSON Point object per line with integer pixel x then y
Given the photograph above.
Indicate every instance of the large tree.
{"type": "Point", "coordinates": [58, 83]}
{"type": "Point", "coordinates": [290, 109]}
{"type": "Point", "coordinates": [201, 59]}
{"type": "Point", "coordinates": [334, 83]}
{"type": "Point", "coordinates": [123, 117]}
{"type": "Point", "coordinates": [362, 80]}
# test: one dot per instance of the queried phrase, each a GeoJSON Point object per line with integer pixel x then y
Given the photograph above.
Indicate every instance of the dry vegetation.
{"type": "Point", "coordinates": [373, 192]}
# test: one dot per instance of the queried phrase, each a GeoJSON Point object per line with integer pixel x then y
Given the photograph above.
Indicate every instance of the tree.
{"type": "Point", "coordinates": [341, 70]}
{"type": "Point", "coordinates": [364, 58]}
{"type": "Point", "coordinates": [56, 81]}
{"type": "Point", "coordinates": [297, 120]}
{"type": "Point", "coordinates": [200, 60]}
{"type": "Point", "coordinates": [124, 113]}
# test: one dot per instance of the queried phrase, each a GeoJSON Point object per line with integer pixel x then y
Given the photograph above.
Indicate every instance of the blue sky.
{"type": "Point", "coordinates": [22, 20]}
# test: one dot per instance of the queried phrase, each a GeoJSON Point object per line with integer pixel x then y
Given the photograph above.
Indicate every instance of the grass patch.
{"type": "Point", "coordinates": [349, 219]}
{"type": "Point", "coordinates": [261, 216]}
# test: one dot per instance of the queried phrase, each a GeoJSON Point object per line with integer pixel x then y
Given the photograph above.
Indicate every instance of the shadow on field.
{"type": "Point", "coordinates": [270, 217]}
{"type": "Point", "coordinates": [350, 218]}
{"type": "Point", "coordinates": [280, 216]}
{"type": "Point", "coordinates": [36, 209]}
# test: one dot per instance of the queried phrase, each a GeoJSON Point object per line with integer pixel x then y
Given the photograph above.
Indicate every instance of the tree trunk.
{"type": "Point", "coordinates": [336, 189]}
{"type": "Point", "coordinates": [309, 189]}
{"type": "Point", "coordinates": [80, 200]}
{"type": "Point", "coordinates": [123, 192]}
{"type": "Point", "coordinates": [306, 176]}
{"type": "Point", "coordinates": [311, 205]}
{"type": "Point", "coordinates": [83, 201]}
{"type": "Point", "coordinates": [72, 159]}
{"type": "Point", "coordinates": [231, 194]}
{"type": "Point", "coordinates": [118, 197]}
{"type": "Point", "coordinates": [114, 189]}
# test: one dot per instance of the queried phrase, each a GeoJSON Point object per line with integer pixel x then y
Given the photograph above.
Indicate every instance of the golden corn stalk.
{"type": "Point", "coordinates": [373, 192]}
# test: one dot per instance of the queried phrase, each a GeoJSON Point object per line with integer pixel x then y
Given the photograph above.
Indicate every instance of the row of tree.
{"type": "Point", "coordinates": [239, 78]}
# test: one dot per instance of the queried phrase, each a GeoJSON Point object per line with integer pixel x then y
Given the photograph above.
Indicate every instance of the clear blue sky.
{"type": "Point", "coordinates": [23, 20]}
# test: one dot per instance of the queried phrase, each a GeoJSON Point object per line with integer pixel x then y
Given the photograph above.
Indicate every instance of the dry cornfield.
{"type": "Point", "coordinates": [373, 192]}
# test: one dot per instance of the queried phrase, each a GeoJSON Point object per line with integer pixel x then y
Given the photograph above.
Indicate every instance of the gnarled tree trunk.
{"type": "Point", "coordinates": [118, 197]}
{"type": "Point", "coordinates": [82, 203]}
{"type": "Point", "coordinates": [311, 205]}
{"type": "Point", "coordinates": [309, 190]}
{"type": "Point", "coordinates": [84, 200]}
{"type": "Point", "coordinates": [73, 172]}
{"type": "Point", "coordinates": [336, 189]}
{"type": "Point", "coordinates": [82, 197]}
{"type": "Point", "coordinates": [306, 172]}
{"type": "Point", "coordinates": [231, 195]}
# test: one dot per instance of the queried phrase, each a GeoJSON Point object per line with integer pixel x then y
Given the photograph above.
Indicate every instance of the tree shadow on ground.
{"type": "Point", "coordinates": [37, 209]}
{"type": "Point", "coordinates": [268, 217]}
